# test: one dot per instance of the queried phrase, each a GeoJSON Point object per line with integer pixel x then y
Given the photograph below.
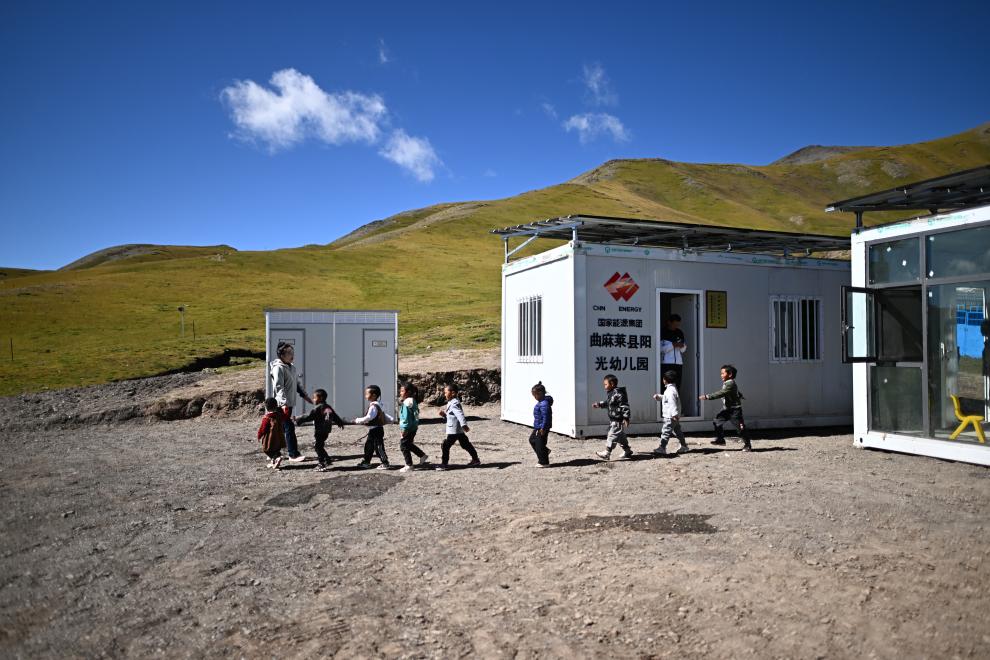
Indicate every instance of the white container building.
{"type": "Point", "coordinates": [915, 319]}
{"type": "Point", "coordinates": [596, 305]}
{"type": "Point", "coordinates": [341, 351]}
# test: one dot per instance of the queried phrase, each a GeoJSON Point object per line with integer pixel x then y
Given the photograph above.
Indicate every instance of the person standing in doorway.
{"type": "Point", "coordinates": [285, 387]}
{"type": "Point", "coordinates": [672, 352]}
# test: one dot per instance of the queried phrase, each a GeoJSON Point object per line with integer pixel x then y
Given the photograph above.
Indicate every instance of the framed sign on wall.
{"type": "Point", "coordinates": [716, 309]}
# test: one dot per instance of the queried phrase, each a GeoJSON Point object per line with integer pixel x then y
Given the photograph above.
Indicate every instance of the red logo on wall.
{"type": "Point", "coordinates": [621, 287]}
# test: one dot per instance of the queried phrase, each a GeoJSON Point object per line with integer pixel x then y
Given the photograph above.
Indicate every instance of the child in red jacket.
{"type": "Point", "coordinates": [271, 433]}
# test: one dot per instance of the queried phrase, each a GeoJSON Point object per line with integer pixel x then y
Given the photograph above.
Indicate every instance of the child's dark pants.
{"type": "Point", "coordinates": [408, 448]}
{"type": "Point", "coordinates": [375, 444]}
{"type": "Point", "coordinates": [465, 445]}
{"type": "Point", "coordinates": [538, 441]}
{"type": "Point", "coordinates": [319, 444]}
{"type": "Point", "coordinates": [732, 416]}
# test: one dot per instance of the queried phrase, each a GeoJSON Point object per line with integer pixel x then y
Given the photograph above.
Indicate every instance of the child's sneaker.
{"type": "Point", "coordinates": [629, 453]}
{"type": "Point", "coordinates": [604, 455]}
{"type": "Point", "coordinates": [683, 449]}
{"type": "Point", "coordinates": [405, 468]}
{"type": "Point", "coordinates": [322, 467]}
{"type": "Point", "coordinates": [474, 463]}
{"type": "Point", "coordinates": [661, 451]}
{"type": "Point", "coordinates": [364, 465]}
{"type": "Point", "coordinates": [383, 466]}
{"type": "Point", "coordinates": [277, 463]}
{"type": "Point", "coordinates": [747, 447]}
{"type": "Point", "coordinates": [718, 442]}
{"type": "Point", "coordinates": [424, 459]}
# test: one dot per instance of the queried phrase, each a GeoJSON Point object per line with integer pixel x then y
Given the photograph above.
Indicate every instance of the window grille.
{"type": "Point", "coordinates": [531, 329]}
{"type": "Point", "coordinates": [795, 329]}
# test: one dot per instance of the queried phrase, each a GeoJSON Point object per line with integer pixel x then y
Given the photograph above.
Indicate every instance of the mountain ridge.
{"type": "Point", "coordinates": [439, 265]}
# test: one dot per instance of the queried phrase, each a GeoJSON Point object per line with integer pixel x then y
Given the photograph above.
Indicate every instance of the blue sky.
{"type": "Point", "coordinates": [263, 126]}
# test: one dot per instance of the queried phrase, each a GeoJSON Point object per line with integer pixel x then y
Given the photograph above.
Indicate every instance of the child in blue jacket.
{"type": "Point", "coordinates": [542, 421]}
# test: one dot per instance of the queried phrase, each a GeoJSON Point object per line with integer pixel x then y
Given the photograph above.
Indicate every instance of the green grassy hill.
{"type": "Point", "coordinates": [113, 315]}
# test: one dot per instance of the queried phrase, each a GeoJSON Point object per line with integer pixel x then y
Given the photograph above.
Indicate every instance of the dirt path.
{"type": "Point", "coordinates": [173, 539]}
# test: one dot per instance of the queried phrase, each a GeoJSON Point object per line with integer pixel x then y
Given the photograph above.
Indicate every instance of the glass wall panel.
{"type": "Point", "coordinates": [896, 399]}
{"type": "Point", "coordinates": [958, 357]}
{"type": "Point", "coordinates": [897, 261]}
{"type": "Point", "coordinates": [958, 253]}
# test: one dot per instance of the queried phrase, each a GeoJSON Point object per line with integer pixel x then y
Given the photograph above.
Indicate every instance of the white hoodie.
{"type": "Point", "coordinates": [670, 402]}
{"type": "Point", "coordinates": [285, 384]}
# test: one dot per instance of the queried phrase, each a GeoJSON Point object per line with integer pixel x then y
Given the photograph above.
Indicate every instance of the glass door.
{"type": "Point", "coordinates": [958, 357]}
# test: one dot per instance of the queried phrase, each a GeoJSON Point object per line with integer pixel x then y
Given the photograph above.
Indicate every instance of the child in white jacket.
{"type": "Point", "coordinates": [670, 409]}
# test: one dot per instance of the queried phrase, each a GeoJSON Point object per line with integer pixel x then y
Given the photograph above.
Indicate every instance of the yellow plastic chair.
{"type": "Point", "coordinates": [966, 420]}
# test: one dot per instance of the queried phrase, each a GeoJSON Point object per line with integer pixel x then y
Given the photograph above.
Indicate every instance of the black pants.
{"type": "Point", "coordinates": [408, 448]}
{"type": "Point", "coordinates": [538, 441]}
{"type": "Point", "coordinates": [375, 444]}
{"type": "Point", "coordinates": [273, 453]}
{"type": "Point", "coordinates": [319, 445]}
{"type": "Point", "coordinates": [465, 445]}
{"type": "Point", "coordinates": [732, 416]}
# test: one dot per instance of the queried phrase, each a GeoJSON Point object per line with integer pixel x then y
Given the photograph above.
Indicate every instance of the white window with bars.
{"type": "Point", "coordinates": [531, 329]}
{"type": "Point", "coordinates": [795, 329]}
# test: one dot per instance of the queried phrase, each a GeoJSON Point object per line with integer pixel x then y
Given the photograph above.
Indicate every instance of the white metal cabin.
{"type": "Point", "coordinates": [342, 351]}
{"type": "Point", "coordinates": [915, 319]}
{"type": "Point", "coordinates": [595, 305]}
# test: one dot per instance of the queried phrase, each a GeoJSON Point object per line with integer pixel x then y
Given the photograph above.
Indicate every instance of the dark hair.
{"type": "Point", "coordinates": [375, 390]}
{"type": "Point", "coordinates": [283, 346]}
{"type": "Point", "coordinates": [731, 370]}
{"type": "Point", "coordinates": [271, 405]}
{"type": "Point", "coordinates": [674, 317]}
{"type": "Point", "coordinates": [670, 376]}
{"type": "Point", "coordinates": [411, 390]}
{"type": "Point", "coordinates": [452, 387]}
{"type": "Point", "coordinates": [539, 388]}
{"type": "Point", "coordinates": [612, 379]}
{"type": "Point", "coordinates": [322, 393]}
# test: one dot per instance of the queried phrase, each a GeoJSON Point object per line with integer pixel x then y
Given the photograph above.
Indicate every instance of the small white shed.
{"type": "Point", "coordinates": [915, 320]}
{"type": "Point", "coordinates": [597, 304]}
{"type": "Point", "coordinates": [342, 351]}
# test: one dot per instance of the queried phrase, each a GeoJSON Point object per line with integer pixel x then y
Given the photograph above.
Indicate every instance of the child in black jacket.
{"type": "Point", "coordinates": [323, 417]}
{"type": "Point", "coordinates": [619, 414]}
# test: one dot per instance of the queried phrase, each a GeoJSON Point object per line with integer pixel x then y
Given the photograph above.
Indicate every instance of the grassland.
{"type": "Point", "coordinates": [114, 315]}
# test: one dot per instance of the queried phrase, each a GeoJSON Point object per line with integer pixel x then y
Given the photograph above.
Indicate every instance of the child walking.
{"type": "Point", "coordinates": [731, 408]}
{"type": "Point", "coordinates": [456, 428]}
{"type": "Point", "coordinates": [271, 433]}
{"type": "Point", "coordinates": [619, 414]}
{"type": "Point", "coordinates": [376, 419]}
{"type": "Point", "coordinates": [670, 411]}
{"type": "Point", "coordinates": [323, 417]}
{"type": "Point", "coordinates": [542, 421]}
{"type": "Point", "coordinates": [408, 425]}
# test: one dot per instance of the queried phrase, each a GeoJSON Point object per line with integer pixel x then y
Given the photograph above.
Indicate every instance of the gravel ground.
{"type": "Point", "coordinates": [172, 539]}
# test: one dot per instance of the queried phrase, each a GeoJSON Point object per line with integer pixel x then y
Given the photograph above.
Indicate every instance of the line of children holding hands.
{"type": "Point", "coordinates": [616, 402]}
{"type": "Point", "coordinates": [271, 433]}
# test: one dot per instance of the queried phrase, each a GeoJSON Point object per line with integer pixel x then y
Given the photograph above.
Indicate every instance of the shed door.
{"type": "Point", "coordinates": [379, 365]}
{"type": "Point", "coordinates": [297, 338]}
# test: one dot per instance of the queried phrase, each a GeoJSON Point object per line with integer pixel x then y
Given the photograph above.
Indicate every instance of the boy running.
{"type": "Point", "coordinates": [731, 407]}
{"type": "Point", "coordinates": [619, 414]}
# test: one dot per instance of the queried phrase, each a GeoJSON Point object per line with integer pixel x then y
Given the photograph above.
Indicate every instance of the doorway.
{"type": "Point", "coordinates": [379, 364]}
{"type": "Point", "coordinates": [685, 304]}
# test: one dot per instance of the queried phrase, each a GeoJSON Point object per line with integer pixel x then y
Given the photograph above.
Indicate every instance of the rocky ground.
{"type": "Point", "coordinates": [170, 538]}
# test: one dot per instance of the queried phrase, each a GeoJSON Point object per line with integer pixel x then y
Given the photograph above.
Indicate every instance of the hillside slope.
{"type": "Point", "coordinates": [438, 265]}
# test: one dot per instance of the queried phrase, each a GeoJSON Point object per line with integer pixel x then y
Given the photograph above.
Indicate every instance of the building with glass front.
{"type": "Point", "coordinates": [914, 320]}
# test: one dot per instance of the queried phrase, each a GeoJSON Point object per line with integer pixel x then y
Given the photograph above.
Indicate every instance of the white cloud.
{"type": "Point", "coordinates": [413, 154]}
{"type": "Point", "coordinates": [599, 86]}
{"type": "Point", "coordinates": [489, 173]}
{"type": "Point", "coordinates": [590, 125]}
{"type": "Point", "coordinates": [383, 57]}
{"type": "Point", "coordinates": [296, 108]}
{"type": "Point", "coordinates": [549, 110]}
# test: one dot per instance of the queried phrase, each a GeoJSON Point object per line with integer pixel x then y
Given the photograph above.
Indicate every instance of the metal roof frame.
{"type": "Point", "coordinates": [608, 230]}
{"type": "Point", "coordinates": [952, 192]}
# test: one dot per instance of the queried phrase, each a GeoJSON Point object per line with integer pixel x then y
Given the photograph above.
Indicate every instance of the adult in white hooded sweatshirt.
{"type": "Point", "coordinates": [285, 387]}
